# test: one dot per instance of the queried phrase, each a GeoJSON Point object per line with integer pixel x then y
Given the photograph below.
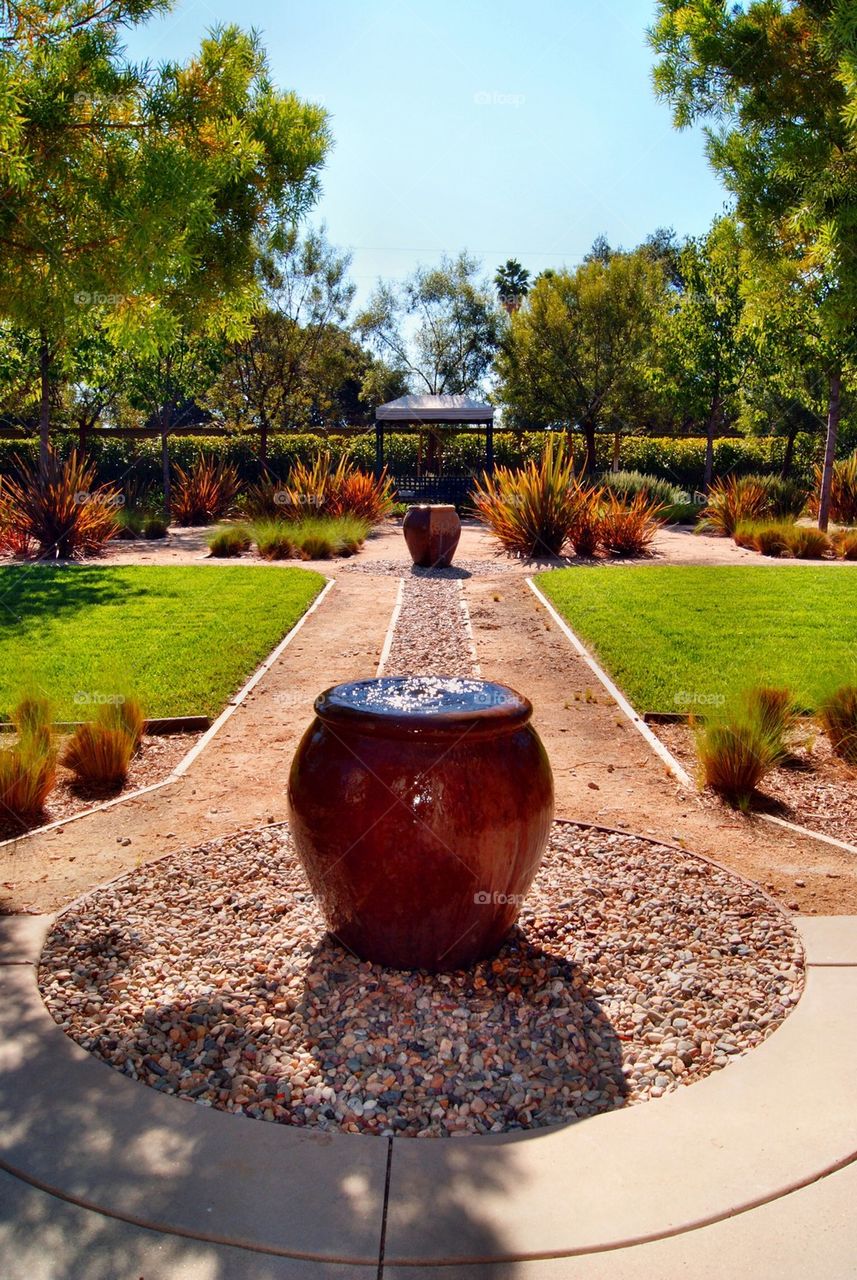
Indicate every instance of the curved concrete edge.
{"type": "Point", "coordinates": [73, 1126]}
{"type": "Point", "coordinates": [782, 1117]}
{"type": "Point", "coordinates": [777, 1120]}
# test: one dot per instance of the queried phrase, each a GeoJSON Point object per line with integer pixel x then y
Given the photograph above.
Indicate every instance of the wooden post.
{"type": "Point", "coordinates": [489, 446]}
{"type": "Point", "coordinates": [379, 446]}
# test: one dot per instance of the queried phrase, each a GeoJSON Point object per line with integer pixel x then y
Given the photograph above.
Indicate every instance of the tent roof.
{"type": "Point", "coordinates": [434, 409]}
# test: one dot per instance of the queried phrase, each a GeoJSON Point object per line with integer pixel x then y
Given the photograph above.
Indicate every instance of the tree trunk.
{"type": "Point", "coordinates": [788, 456]}
{"type": "Point", "coordinates": [711, 428]}
{"type": "Point", "coordinates": [45, 400]}
{"type": "Point", "coordinates": [617, 451]}
{"type": "Point", "coordinates": [165, 466]}
{"type": "Point", "coordinates": [833, 411]}
{"type": "Point", "coordinates": [590, 464]}
{"type": "Point", "coordinates": [263, 443]}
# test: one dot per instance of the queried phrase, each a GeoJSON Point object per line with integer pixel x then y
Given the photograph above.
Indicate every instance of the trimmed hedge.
{"type": "Point", "coordinates": [681, 461]}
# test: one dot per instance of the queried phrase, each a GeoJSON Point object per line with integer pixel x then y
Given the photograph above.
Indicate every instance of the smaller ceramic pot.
{"type": "Point", "coordinates": [432, 533]}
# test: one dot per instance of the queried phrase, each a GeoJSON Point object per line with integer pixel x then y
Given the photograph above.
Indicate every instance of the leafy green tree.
{"type": "Point", "coordinates": [576, 353]}
{"type": "Point", "coordinates": [122, 185]}
{"type": "Point", "coordinates": [704, 353]}
{"type": "Point", "coordinates": [167, 384]}
{"type": "Point", "coordinates": [512, 282]}
{"type": "Point", "coordinates": [777, 79]}
{"type": "Point", "coordinates": [279, 376]}
{"type": "Point", "coordinates": [439, 329]}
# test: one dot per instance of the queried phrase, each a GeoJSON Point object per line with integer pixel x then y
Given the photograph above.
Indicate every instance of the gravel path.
{"type": "Point", "coordinates": [431, 635]}
{"type": "Point", "coordinates": [637, 969]}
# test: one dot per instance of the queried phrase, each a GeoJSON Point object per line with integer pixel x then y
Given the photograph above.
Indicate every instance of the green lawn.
{"type": "Point", "coordinates": [183, 639]}
{"type": "Point", "coordinates": [670, 636]}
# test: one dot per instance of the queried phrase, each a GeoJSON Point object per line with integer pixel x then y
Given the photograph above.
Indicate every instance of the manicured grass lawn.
{"type": "Point", "coordinates": [183, 639]}
{"type": "Point", "coordinates": [666, 633]}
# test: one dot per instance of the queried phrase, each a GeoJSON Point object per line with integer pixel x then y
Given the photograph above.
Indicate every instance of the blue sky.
{"type": "Point", "coordinates": [509, 129]}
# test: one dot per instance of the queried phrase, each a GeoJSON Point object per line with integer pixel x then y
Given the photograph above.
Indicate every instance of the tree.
{"type": "Point", "coordinates": [121, 185]}
{"type": "Point", "coordinates": [512, 282]}
{"type": "Point", "coordinates": [778, 81]}
{"type": "Point", "coordinates": [575, 353]}
{"type": "Point", "coordinates": [280, 373]}
{"type": "Point", "coordinates": [439, 328]}
{"type": "Point", "coordinates": [167, 386]}
{"type": "Point", "coordinates": [704, 353]}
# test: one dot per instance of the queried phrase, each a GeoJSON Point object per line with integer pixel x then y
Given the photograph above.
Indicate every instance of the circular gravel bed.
{"type": "Point", "coordinates": [636, 969]}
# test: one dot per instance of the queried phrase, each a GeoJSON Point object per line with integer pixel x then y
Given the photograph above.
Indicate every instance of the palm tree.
{"type": "Point", "coordinates": [512, 282]}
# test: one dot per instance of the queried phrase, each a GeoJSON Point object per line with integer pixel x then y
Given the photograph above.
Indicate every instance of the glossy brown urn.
{"type": "Point", "coordinates": [432, 534]}
{"type": "Point", "coordinates": [420, 809]}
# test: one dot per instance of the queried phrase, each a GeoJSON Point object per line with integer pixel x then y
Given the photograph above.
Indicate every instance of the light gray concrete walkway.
{"type": "Point", "coordinates": [749, 1171]}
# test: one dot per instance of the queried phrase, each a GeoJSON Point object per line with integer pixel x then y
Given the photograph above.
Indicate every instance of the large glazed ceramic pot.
{"type": "Point", "coordinates": [432, 533]}
{"type": "Point", "coordinates": [420, 809]}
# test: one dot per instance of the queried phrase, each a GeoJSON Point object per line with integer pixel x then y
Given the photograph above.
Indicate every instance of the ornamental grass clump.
{"type": "Point", "coordinates": [531, 511]}
{"type": "Point", "coordinates": [768, 537]}
{"type": "Point", "coordinates": [126, 713]}
{"type": "Point", "coordinates": [28, 769]}
{"type": "Point", "coordinates": [742, 742]}
{"type": "Point", "coordinates": [229, 541]}
{"type": "Point", "coordinates": [585, 532]}
{"type": "Point", "coordinates": [844, 543]}
{"type": "Point", "coordinates": [274, 539]}
{"type": "Point", "coordinates": [628, 528]}
{"type": "Point", "coordinates": [344, 490]}
{"type": "Point", "coordinates": [808, 543]}
{"type": "Point", "coordinates": [838, 713]}
{"type": "Point", "coordinates": [207, 492]}
{"type": "Point", "coordinates": [732, 502]}
{"type": "Point", "coordinates": [57, 507]}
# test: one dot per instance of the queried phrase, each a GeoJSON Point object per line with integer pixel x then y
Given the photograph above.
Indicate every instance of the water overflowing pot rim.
{"type": "Point", "coordinates": [421, 705]}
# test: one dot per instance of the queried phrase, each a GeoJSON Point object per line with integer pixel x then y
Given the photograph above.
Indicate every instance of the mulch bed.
{"type": "Point", "coordinates": [815, 788]}
{"type": "Point", "coordinates": [636, 969]}
{"type": "Point", "coordinates": [155, 761]}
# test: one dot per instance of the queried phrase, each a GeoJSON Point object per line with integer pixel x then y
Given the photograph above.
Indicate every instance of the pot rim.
{"type": "Point", "coordinates": [484, 707]}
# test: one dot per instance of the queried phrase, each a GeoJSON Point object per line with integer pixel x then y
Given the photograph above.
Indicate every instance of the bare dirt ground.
{"type": "Point", "coordinates": [604, 771]}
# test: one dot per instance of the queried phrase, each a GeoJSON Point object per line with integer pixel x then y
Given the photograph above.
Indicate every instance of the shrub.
{"type": "Point", "coordinates": [585, 532]}
{"type": "Point", "coordinates": [627, 529]}
{"type": "Point", "coordinates": [126, 714]}
{"type": "Point", "coordinates": [786, 499]}
{"type": "Point", "coordinates": [844, 543]}
{"type": "Point", "coordinates": [99, 755]}
{"type": "Point", "coordinates": [230, 540]}
{"type": "Point", "coordinates": [733, 502]}
{"type": "Point", "coordinates": [740, 745]}
{"type": "Point", "coordinates": [366, 496]}
{"type": "Point", "coordinates": [204, 494]}
{"type": "Point", "coordinates": [627, 484]}
{"type": "Point", "coordinates": [838, 714]}
{"type": "Point", "coordinates": [531, 512]}
{"type": "Point", "coordinates": [15, 540]}
{"type": "Point", "coordinates": [155, 527]}
{"type": "Point", "coordinates": [806, 543]}
{"type": "Point", "coordinates": [60, 508]}
{"type": "Point", "coordinates": [265, 500]}
{"type": "Point", "coordinates": [130, 524]}
{"type": "Point", "coordinates": [843, 490]}
{"type": "Point", "coordinates": [273, 539]}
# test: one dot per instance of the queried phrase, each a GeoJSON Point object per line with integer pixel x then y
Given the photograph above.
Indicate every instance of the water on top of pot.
{"type": "Point", "coordinates": [421, 695]}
